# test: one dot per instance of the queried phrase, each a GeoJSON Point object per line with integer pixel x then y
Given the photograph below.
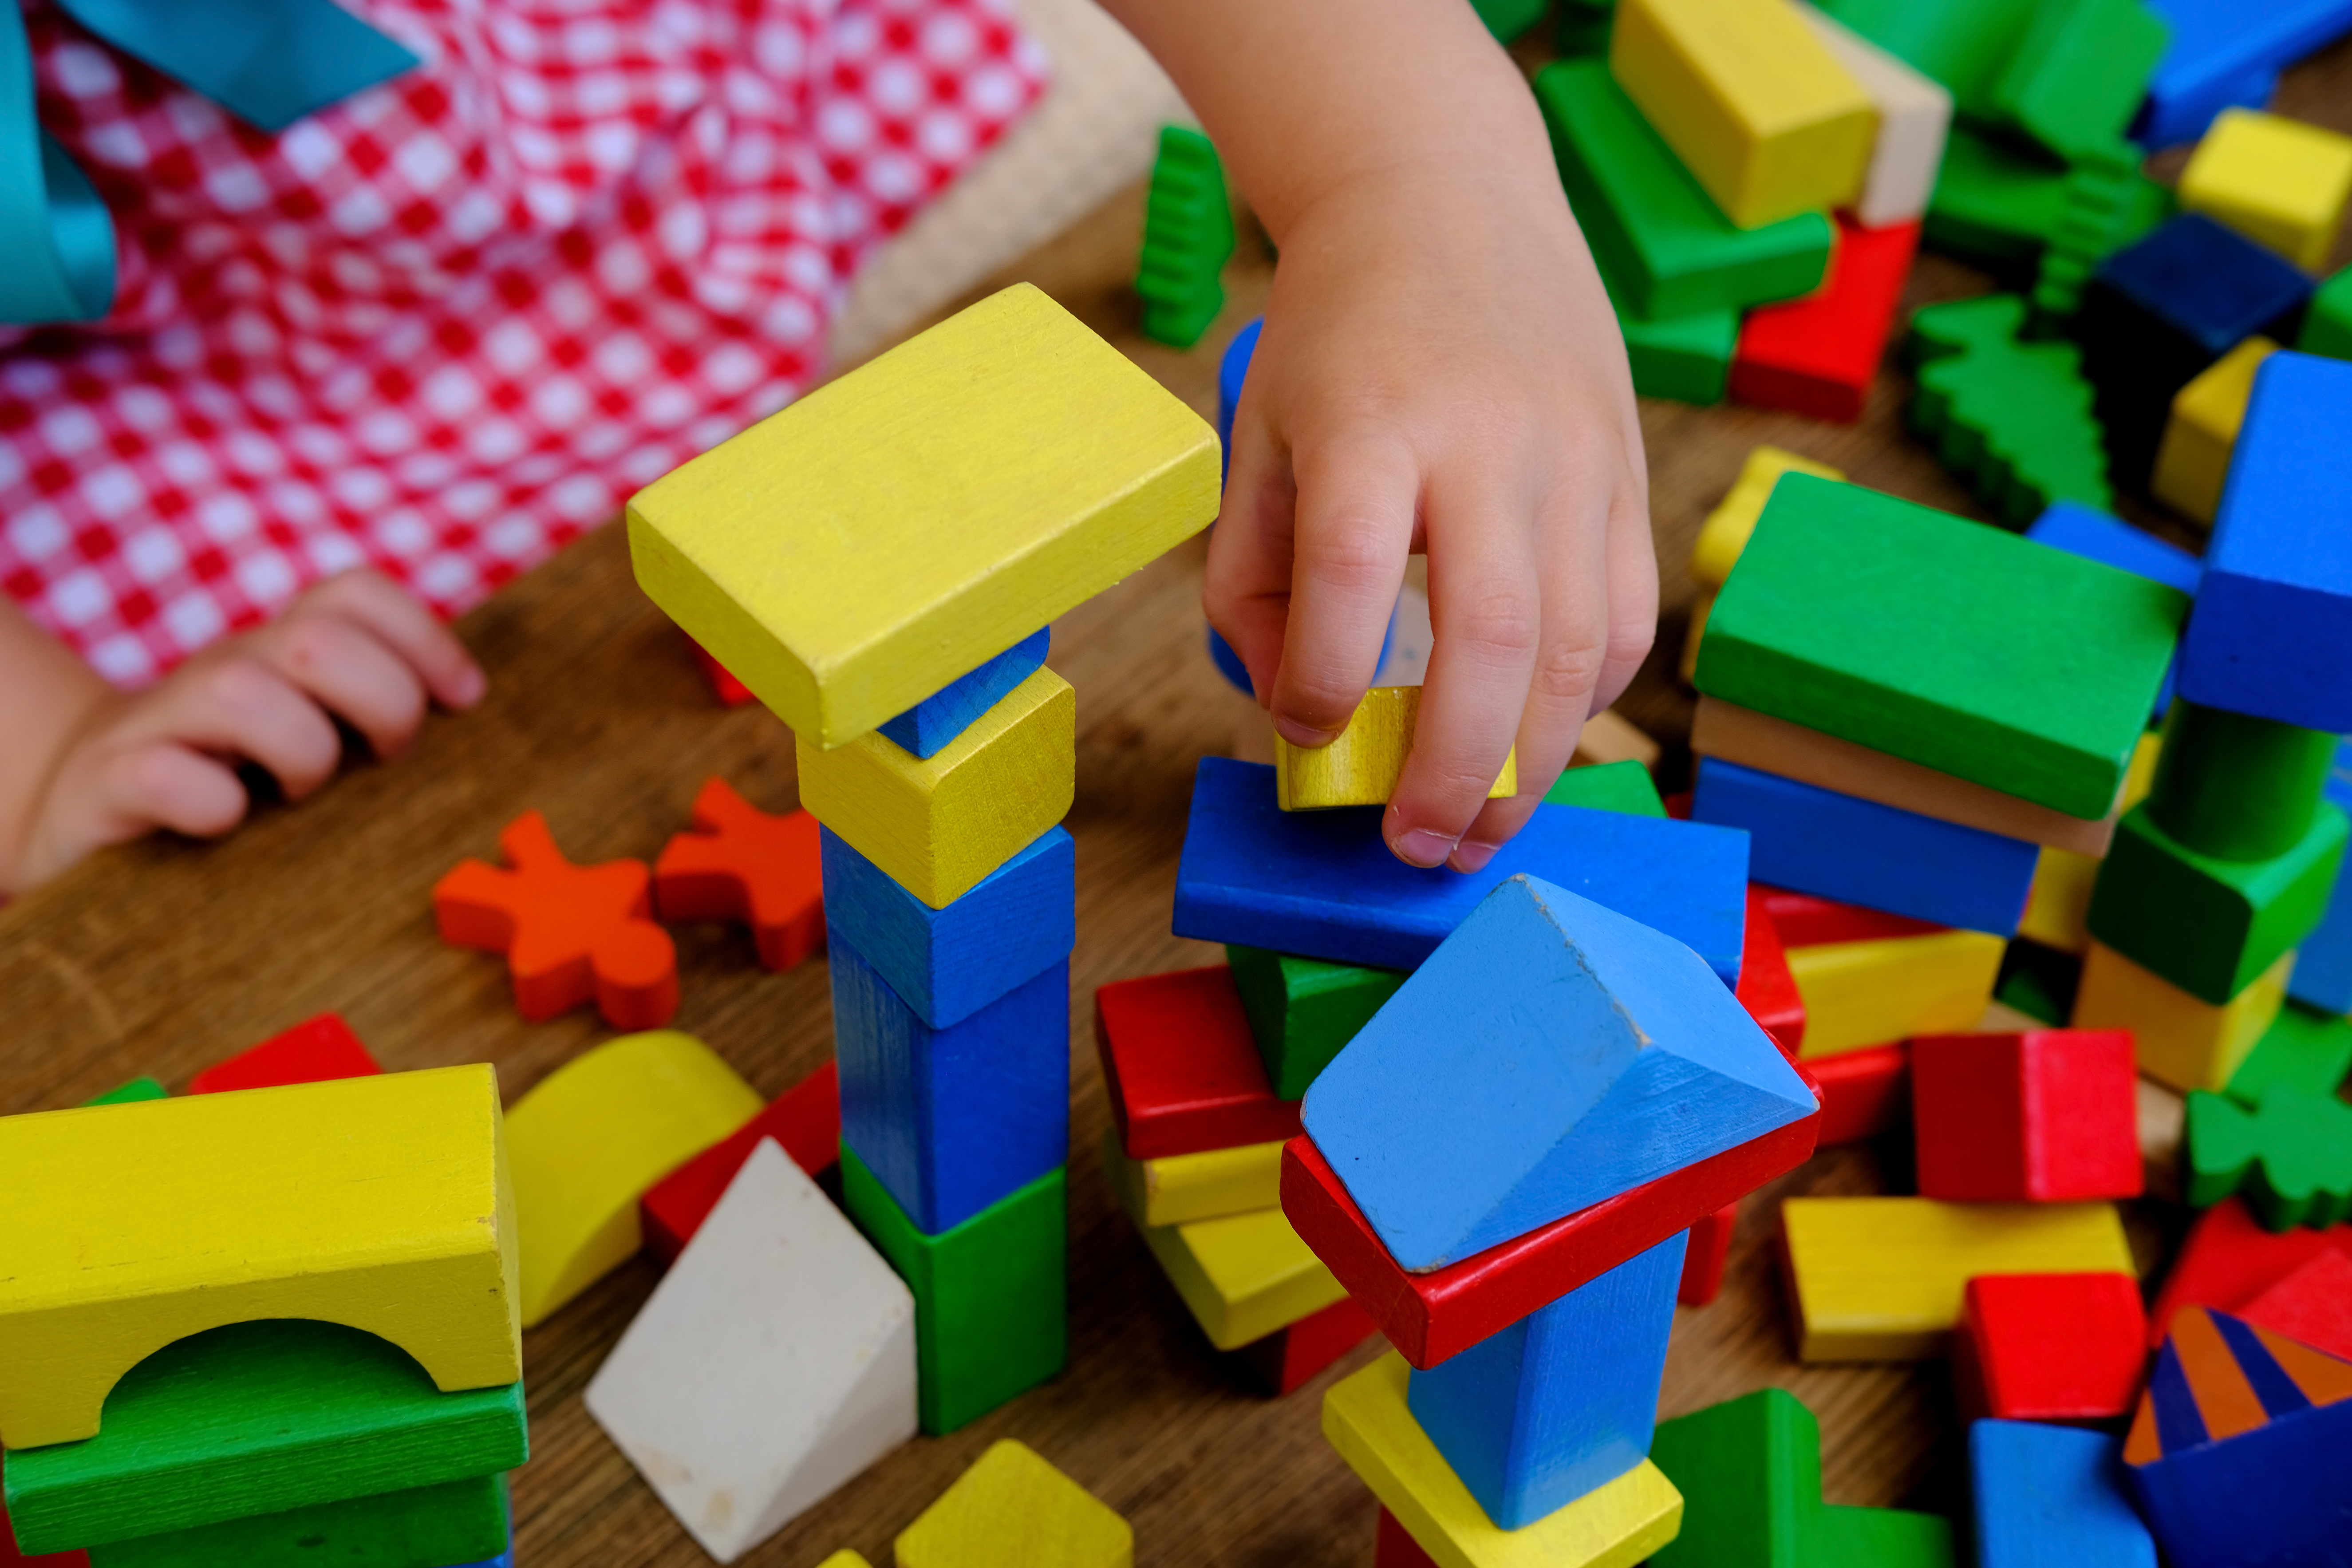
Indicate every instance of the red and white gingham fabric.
{"type": "Point", "coordinates": [443, 327]}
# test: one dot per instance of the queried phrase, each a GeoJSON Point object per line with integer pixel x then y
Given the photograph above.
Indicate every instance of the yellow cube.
{"type": "Point", "coordinates": [1754, 104]}
{"type": "Point", "coordinates": [2059, 903]}
{"type": "Point", "coordinates": [1362, 766]}
{"type": "Point", "coordinates": [1860, 993]}
{"type": "Point", "coordinates": [2179, 1039]}
{"type": "Point", "coordinates": [2276, 181]}
{"type": "Point", "coordinates": [1726, 531]}
{"type": "Point", "coordinates": [2194, 459]}
{"type": "Point", "coordinates": [1013, 1510]}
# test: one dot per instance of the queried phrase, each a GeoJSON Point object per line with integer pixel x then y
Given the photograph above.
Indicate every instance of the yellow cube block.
{"type": "Point", "coordinates": [1881, 1278]}
{"type": "Point", "coordinates": [936, 825]}
{"type": "Point", "coordinates": [1176, 1189]}
{"type": "Point", "coordinates": [1362, 766]}
{"type": "Point", "coordinates": [1758, 111]}
{"type": "Point", "coordinates": [2059, 903]}
{"type": "Point", "coordinates": [2278, 181]}
{"type": "Point", "coordinates": [1013, 1510]}
{"type": "Point", "coordinates": [898, 527]}
{"type": "Point", "coordinates": [1365, 1417]}
{"type": "Point", "coordinates": [2177, 1038]}
{"type": "Point", "coordinates": [1859, 993]}
{"type": "Point", "coordinates": [2194, 459]}
{"type": "Point", "coordinates": [1726, 531]}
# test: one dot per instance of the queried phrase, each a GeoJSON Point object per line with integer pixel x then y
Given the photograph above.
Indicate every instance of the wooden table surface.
{"type": "Point", "coordinates": [167, 956]}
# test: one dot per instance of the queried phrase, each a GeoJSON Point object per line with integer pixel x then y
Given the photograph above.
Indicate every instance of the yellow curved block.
{"type": "Point", "coordinates": [2202, 432]}
{"type": "Point", "coordinates": [381, 1203]}
{"type": "Point", "coordinates": [1614, 1526]}
{"type": "Point", "coordinates": [2177, 1038]}
{"type": "Point", "coordinates": [593, 1136]}
{"type": "Point", "coordinates": [1362, 766]}
{"type": "Point", "coordinates": [895, 529]}
{"type": "Point", "coordinates": [1013, 1510]}
{"type": "Point", "coordinates": [1860, 993]}
{"type": "Point", "coordinates": [936, 825]}
{"type": "Point", "coordinates": [1726, 531]}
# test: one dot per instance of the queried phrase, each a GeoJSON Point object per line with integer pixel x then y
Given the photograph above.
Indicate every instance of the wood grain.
{"type": "Point", "coordinates": [168, 956]}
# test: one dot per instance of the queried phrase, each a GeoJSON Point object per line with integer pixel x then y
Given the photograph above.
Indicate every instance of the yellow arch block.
{"type": "Point", "coordinates": [382, 1204]}
{"type": "Point", "coordinates": [593, 1136]}
{"type": "Point", "coordinates": [1362, 766]}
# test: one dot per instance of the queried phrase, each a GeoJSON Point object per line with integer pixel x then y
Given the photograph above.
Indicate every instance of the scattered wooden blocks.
{"type": "Point", "coordinates": [589, 1139]}
{"type": "Point", "coordinates": [570, 932]}
{"type": "Point", "coordinates": [1288, 1358]}
{"type": "Point", "coordinates": [2193, 457]}
{"type": "Point", "coordinates": [462, 1522]}
{"type": "Point", "coordinates": [1302, 1010]}
{"type": "Point", "coordinates": [774, 1363]}
{"type": "Point", "coordinates": [2276, 181]}
{"type": "Point", "coordinates": [2290, 1157]}
{"type": "Point", "coordinates": [1466, 1114]}
{"type": "Point", "coordinates": [1367, 1419]}
{"type": "Point", "coordinates": [1818, 355]}
{"type": "Point", "coordinates": [316, 1050]}
{"type": "Point", "coordinates": [1864, 1092]}
{"type": "Point", "coordinates": [1881, 1278]}
{"type": "Point", "coordinates": [2229, 1261]}
{"type": "Point", "coordinates": [741, 863]}
{"type": "Point", "coordinates": [804, 1121]}
{"type": "Point", "coordinates": [382, 1204]}
{"type": "Point", "coordinates": [1188, 237]}
{"type": "Point", "coordinates": [1709, 1248]}
{"type": "Point", "coordinates": [1729, 526]}
{"type": "Point", "coordinates": [1767, 988]}
{"type": "Point", "coordinates": [2179, 1039]}
{"type": "Point", "coordinates": [2312, 1305]}
{"type": "Point", "coordinates": [930, 726]}
{"type": "Point", "coordinates": [971, 557]}
{"type": "Point", "coordinates": [2047, 1116]}
{"type": "Point", "coordinates": [1176, 1189]}
{"type": "Point", "coordinates": [2013, 417]}
{"type": "Point", "coordinates": [1915, 116]}
{"type": "Point", "coordinates": [1864, 994]}
{"type": "Point", "coordinates": [1362, 765]}
{"type": "Point", "coordinates": [2310, 1050]}
{"type": "Point", "coordinates": [1013, 1510]}
{"type": "Point", "coordinates": [2049, 1497]}
{"type": "Point", "coordinates": [2048, 1347]}
{"type": "Point", "coordinates": [1181, 1067]}
{"type": "Point", "coordinates": [2095, 535]}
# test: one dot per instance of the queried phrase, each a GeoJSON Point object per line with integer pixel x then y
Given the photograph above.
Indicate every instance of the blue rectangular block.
{"type": "Point", "coordinates": [2270, 632]}
{"type": "Point", "coordinates": [2052, 1496]}
{"type": "Point", "coordinates": [927, 727]}
{"type": "Point", "coordinates": [1322, 884]}
{"type": "Point", "coordinates": [2083, 531]}
{"type": "Point", "coordinates": [1562, 1401]}
{"type": "Point", "coordinates": [952, 1119]}
{"type": "Point", "coordinates": [1857, 851]}
{"type": "Point", "coordinates": [2323, 963]}
{"type": "Point", "coordinates": [949, 964]}
{"type": "Point", "coordinates": [2225, 54]}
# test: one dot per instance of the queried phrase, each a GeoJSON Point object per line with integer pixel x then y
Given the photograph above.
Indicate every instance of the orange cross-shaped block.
{"type": "Point", "coordinates": [744, 864]}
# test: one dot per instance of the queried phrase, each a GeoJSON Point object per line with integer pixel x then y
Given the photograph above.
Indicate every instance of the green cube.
{"type": "Point", "coordinates": [2303, 1048]}
{"type": "Point", "coordinates": [992, 1314]}
{"type": "Point", "coordinates": [1625, 787]}
{"type": "Point", "coordinates": [1302, 1010]}
{"type": "Point", "coordinates": [2327, 325]}
{"type": "Point", "coordinates": [456, 1522]}
{"type": "Point", "coordinates": [1941, 641]}
{"type": "Point", "coordinates": [2211, 926]}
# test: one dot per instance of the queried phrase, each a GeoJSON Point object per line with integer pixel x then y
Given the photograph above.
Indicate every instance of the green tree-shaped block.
{"type": "Point", "coordinates": [2012, 419]}
{"type": "Point", "coordinates": [2291, 1156]}
{"type": "Point", "coordinates": [1188, 236]}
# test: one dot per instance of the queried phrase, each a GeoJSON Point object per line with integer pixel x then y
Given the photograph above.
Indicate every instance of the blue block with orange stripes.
{"type": "Point", "coordinates": [2239, 1451]}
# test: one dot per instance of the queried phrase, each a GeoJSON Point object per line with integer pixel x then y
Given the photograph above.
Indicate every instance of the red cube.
{"type": "Point", "coordinates": [1863, 1093]}
{"type": "Point", "coordinates": [2048, 1347]}
{"type": "Point", "coordinates": [2047, 1116]}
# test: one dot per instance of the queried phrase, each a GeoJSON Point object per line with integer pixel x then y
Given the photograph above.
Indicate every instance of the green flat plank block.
{"type": "Point", "coordinates": [1992, 203]}
{"type": "Point", "coordinates": [992, 1318]}
{"type": "Point", "coordinates": [1967, 45]}
{"type": "Point", "coordinates": [1625, 787]}
{"type": "Point", "coordinates": [137, 1088]}
{"type": "Point", "coordinates": [2310, 1050]}
{"type": "Point", "coordinates": [2079, 71]}
{"type": "Point", "coordinates": [424, 1527]}
{"type": "Point", "coordinates": [2211, 926]}
{"type": "Point", "coordinates": [259, 1418]}
{"type": "Point", "coordinates": [1880, 1538]}
{"type": "Point", "coordinates": [1661, 241]}
{"type": "Point", "coordinates": [2290, 1157]}
{"type": "Point", "coordinates": [1302, 1010]}
{"type": "Point", "coordinates": [1959, 647]}
{"type": "Point", "coordinates": [2327, 322]}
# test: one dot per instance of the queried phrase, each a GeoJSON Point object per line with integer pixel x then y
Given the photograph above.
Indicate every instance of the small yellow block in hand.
{"type": "Point", "coordinates": [1013, 1510]}
{"type": "Point", "coordinates": [1362, 767]}
{"type": "Point", "coordinates": [2279, 182]}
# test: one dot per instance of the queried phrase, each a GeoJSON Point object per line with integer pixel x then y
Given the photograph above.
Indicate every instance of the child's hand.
{"type": "Point", "coordinates": [355, 647]}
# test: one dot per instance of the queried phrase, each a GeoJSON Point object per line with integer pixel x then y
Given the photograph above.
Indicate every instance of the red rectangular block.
{"type": "Point", "coordinates": [2229, 1259]}
{"type": "Point", "coordinates": [2313, 1305]}
{"type": "Point", "coordinates": [1864, 1093]}
{"type": "Point", "coordinates": [2045, 1116]}
{"type": "Point", "coordinates": [315, 1051]}
{"type": "Point", "coordinates": [1288, 1359]}
{"type": "Point", "coordinates": [1182, 1067]}
{"type": "Point", "coordinates": [1804, 921]}
{"type": "Point", "coordinates": [1817, 355]}
{"type": "Point", "coordinates": [805, 1121]}
{"type": "Point", "coordinates": [1766, 987]}
{"type": "Point", "coordinates": [1430, 1317]}
{"type": "Point", "coordinates": [1394, 1548]}
{"type": "Point", "coordinates": [1704, 1257]}
{"type": "Point", "coordinates": [2048, 1347]}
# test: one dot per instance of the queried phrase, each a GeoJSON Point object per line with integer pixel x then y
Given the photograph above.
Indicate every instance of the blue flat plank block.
{"type": "Point", "coordinates": [2323, 963]}
{"type": "Point", "coordinates": [1323, 884]}
{"type": "Point", "coordinates": [1562, 1401]}
{"type": "Point", "coordinates": [2226, 54]}
{"type": "Point", "coordinates": [2272, 626]}
{"type": "Point", "coordinates": [2052, 1496]}
{"type": "Point", "coordinates": [2095, 535]}
{"type": "Point", "coordinates": [928, 727]}
{"type": "Point", "coordinates": [1548, 1055]}
{"type": "Point", "coordinates": [2211, 284]}
{"type": "Point", "coordinates": [1834, 845]}
{"type": "Point", "coordinates": [949, 964]}
{"type": "Point", "coordinates": [952, 1119]}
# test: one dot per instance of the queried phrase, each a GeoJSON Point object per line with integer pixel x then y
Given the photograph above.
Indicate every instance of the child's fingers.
{"type": "Point", "coordinates": [1246, 590]}
{"type": "Point", "coordinates": [403, 624]}
{"type": "Point", "coordinates": [1633, 565]}
{"type": "Point", "coordinates": [1357, 499]}
{"type": "Point", "coordinates": [343, 666]}
{"type": "Point", "coordinates": [160, 783]}
{"type": "Point", "coordinates": [238, 706]}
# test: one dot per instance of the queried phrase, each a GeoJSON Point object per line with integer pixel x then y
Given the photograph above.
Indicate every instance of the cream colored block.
{"type": "Point", "coordinates": [2177, 1038]}
{"type": "Point", "coordinates": [2279, 182]}
{"type": "Point", "coordinates": [1013, 1510]}
{"type": "Point", "coordinates": [2193, 460]}
{"type": "Point", "coordinates": [1726, 531]}
{"type": "Point", "coordinates": [1915, 118]}
{"type": "Point", "coordinates": [1362, 766]}
{"type": "Point", "coordinates": [1859, 993]}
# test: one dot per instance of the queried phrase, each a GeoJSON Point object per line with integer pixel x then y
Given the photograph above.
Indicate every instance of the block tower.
{"type": "Point", "coordinates": [879, 565]}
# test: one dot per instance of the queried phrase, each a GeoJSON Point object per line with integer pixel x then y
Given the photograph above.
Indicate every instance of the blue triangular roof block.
{"type": "Point", "coordinates": [1548, 1055]}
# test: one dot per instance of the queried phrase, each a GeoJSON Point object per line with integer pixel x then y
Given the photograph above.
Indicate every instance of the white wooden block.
{"type": "Point", "coordinates": [775, 1361]}
{"type": "Point", "coordinates": [1914, 115]}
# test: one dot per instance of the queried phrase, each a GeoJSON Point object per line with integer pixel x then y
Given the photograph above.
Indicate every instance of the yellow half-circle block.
{"type": "Point", "coordinates": [1362, 766]}
{"type": "Point", "coordinates": [593, 1136]}
{"type": "Point", "coordinates": [381, 1203]}
{"type": "Point", "coordinates": [1014, 1509]}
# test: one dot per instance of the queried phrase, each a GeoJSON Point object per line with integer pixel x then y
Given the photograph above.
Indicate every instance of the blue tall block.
{"type": "Point", "coordinates": [1562, 1401]}
{"type": "Point", "coordinates": [952, 1119]}
{"type": "Point", "coordinates": [1322, 884]}
{"type": "Point", "coordinates": [949, 964]}
{"type": "Point", "coordinates": [928, 727]}
{"type": "Point", "coordinates": [2052, 1496]}
{"type": "Point", "coordinates": [1857, 851]}
{"type": "Point", "coordinates": [2323, 963]}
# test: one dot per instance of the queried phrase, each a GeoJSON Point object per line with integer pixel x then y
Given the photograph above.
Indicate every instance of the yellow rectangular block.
{"type": "Point", "coordinates": [1362, 766]}
{"type": "Point", "coordinates": [1758, 111]}
{"type": "Point", "coordinates": [1881, 1278]}
{"type": "Point", "coordinates": [2177, 1038]}
{"type": "Point", "coordinates": [1176, 1189]}
{"type": "Point", "coordinates": [2279, 182]}
{"type": "Point", "coordinates": [897, 527]}
{"type": "Point", "coordinates": [1859, 993]}
{"type": "Point", "coordinates": [1726, 531]}
{"type": "Point", "coordinates": [2194, 459]}
{"type": "Point", "coordinates": [381, 1203]}
{"type": "Point", "coordinates": [1365, 1417]}
{"type": "Point", "coordinates": [2058, 904]}
{"type": "Point", "coordinates": [1241, 1275]}
{"type": "Point", "coordinates": [936, 825]}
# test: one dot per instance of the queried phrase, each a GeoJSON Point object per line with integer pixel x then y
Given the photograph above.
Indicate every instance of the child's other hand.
{"type": "Point", "coordinates": [355, 647]}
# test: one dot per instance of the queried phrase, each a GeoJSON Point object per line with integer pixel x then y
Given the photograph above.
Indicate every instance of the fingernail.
{"type": "Point", "coordinates": [1306, 735]}
{"type": "Point", "coordinates": [469, 686]}
{"type": "Point", "coordinates": [1471, 855]}
{"type": "Point", "coordinates": [1419, 847]}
